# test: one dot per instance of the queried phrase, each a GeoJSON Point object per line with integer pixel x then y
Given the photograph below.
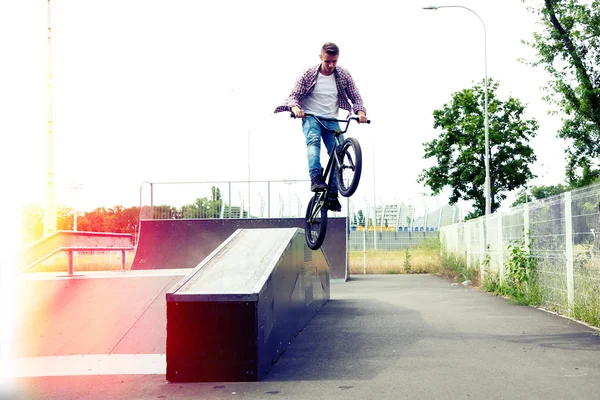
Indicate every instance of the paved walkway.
{"type": "Point", "coordinates": [392, 337]}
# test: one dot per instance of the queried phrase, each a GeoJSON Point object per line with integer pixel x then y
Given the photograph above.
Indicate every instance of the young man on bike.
{"type": "Point", "coordinates": [322, 90]}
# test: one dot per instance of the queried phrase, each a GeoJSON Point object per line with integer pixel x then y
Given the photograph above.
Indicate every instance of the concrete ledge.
{"type": "Point", "coordinates": [234, 315]}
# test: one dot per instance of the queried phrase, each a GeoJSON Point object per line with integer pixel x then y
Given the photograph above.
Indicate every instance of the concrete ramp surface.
{"type": "Point", "coordinates": [234, 315]}
{"type": "Point", "coordinates": [117, 314]}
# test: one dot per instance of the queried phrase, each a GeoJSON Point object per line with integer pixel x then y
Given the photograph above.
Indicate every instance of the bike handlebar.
{"type": "Point", "coordinates": [318, 118]}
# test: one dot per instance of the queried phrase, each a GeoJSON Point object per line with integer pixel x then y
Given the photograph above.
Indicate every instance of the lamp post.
{"type": "Point", "coordinates": [50, 212]}
{"type": "Point", "coordinates": [486, 117]}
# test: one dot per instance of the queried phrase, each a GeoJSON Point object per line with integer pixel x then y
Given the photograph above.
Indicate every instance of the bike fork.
{"type": "Point", "coordinates": [318, 204]}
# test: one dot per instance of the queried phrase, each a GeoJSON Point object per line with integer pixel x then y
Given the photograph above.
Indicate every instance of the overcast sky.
{"type": "Point", "coordinates": [171, 91]}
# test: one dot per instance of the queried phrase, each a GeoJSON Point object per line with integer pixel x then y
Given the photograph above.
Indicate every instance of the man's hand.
{"type": "Point", "coordinates": [362, 117]}
{"type": "Point", "coordinates": [298, 112]}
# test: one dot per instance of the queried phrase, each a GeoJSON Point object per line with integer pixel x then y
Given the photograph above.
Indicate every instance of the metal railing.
{"type": "Point", "coordinates": [77, 249]}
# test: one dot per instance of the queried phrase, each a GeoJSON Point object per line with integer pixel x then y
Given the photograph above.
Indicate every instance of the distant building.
{"type": "Point", "coordinates": [402, 217]}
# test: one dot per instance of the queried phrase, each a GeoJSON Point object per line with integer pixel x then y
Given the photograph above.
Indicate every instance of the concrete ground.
{"type": "Point", "coordinates": [391, 337]}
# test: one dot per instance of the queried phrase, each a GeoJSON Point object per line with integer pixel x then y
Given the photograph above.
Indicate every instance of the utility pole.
{"type": "Point", "coordinates": [50, 211]}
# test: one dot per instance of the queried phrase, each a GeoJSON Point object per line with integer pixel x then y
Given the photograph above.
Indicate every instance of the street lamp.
{"type": "Point", "coordinates": [486, 117]}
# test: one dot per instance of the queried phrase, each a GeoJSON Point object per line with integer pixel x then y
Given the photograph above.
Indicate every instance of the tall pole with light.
{"type": "Point", "coordinates": [486, 117]}
{"type": "Point", "coordinates": [50, 212]}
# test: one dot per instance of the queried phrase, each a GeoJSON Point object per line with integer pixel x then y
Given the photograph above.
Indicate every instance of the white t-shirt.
{"type": "Point", "coordinates": [323, 100]}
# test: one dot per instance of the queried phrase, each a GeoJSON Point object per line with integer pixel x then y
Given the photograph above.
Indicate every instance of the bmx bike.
{"type": "Point", "coordinates": [345, 165]}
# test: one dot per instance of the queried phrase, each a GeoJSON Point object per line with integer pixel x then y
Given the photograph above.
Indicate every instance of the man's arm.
{"type": "Point", "coordinates": [294, 100]}
{"type": "Point", "coordinates": [355, 98]}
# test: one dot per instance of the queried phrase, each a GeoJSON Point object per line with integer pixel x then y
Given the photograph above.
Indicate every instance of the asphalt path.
{"type": "Point", "coordinates": [391, 337]}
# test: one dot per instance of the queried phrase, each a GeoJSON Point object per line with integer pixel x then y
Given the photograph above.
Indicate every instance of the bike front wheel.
{"type": "Point", "coordinates": [315, 223]}
{"type": "Point", "coordinates": [350, 168]}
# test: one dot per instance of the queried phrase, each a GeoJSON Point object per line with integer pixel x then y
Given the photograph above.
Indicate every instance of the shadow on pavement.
{"type": "Point", "coordinates": [345, 340]}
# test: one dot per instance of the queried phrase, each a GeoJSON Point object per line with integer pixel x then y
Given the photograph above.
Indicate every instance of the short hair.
{"type": "Point", "coordinates": [331, 49]}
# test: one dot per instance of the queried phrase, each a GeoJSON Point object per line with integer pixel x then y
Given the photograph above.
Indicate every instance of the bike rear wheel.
{"type": "Point", "coordinates": [348, 174]}
{"type": "Point", "coordinates": [315, 223]}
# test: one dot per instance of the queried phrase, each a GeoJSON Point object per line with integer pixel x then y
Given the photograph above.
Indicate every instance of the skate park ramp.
{"type": "Point", "coordinates": [93, 323]}
{"type": "Point", "coordinates": [233, 316]}
{"type": "Point", "coordinates": [165, 244]}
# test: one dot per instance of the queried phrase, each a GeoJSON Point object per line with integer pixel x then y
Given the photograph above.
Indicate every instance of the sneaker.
{"type": "Point", "coordinates": [317, 183]}
{"type": "Point", "coordinates": [333, 203]}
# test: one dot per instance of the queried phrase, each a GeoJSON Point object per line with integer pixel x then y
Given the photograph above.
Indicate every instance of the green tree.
{"type": "Point", "coordinates": [124, 220]}
{"type": "Point", "coordinates": [538, 193]}
{"type": "Point", "coordinates": [204, 207]}
{"type": "Point", "coordinates": [361, 218]}
{"type": "Point", "coordinates": [216, 193]}
{"type": "Point", "coordinates": [165, 211]}
{"type": "Point", "coordinates": [64, 218]}
{"type": "Point", "coordinates": [460, 148]}
{"type": "Point", "coordinates": [568, 47]}
{"type": "Point", "coordinates": [117, 219]}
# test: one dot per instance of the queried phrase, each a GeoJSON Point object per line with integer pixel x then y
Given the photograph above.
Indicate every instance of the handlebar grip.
{"type": "Point", "coordinates": [358, 119]}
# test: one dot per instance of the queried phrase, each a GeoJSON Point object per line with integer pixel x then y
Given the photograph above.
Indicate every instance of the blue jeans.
{"type": "Point", "coordinates": [314, 133]}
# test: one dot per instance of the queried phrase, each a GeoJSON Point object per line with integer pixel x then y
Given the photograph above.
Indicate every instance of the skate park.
{"type": "Point", "coordinates": [227, 308]}
{"type": "Point", "coordinates": [227, 301]}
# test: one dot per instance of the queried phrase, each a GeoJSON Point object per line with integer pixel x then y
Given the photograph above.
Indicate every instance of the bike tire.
{"type": "Point", "coordinates": [348, 174]}
{"type": "Point", "coordinates": [315, 230]}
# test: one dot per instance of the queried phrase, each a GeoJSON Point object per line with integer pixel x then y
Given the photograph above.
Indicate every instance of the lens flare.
{"type": "Point", "coordinates": [8, 267]}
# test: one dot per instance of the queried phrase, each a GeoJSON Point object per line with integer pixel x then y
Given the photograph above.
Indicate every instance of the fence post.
{"type": "Point", "coordinates": [71, 266]}
{"type": "Point", "coordinates": [375, 226]}
{"type": "Point", "coordinates": [481, 249]}
{"type": "Point", "coordinates": [467, 239]}
{"type": "Point", "coordinates": [123, 260]}
{"type": "Point", "coordinates": [229, 196]}
{"type": "Point", "coordinates": [526, 226]}
{"type": "Point", "coordinates": [500, 246]}
{"type": "Point", "coordinates": [365, 250]}
{"type": "Point", "coordinates": [569, 249]}
{"type": "Point", "coordinates": [152, 198]}
{"type": "Point", "coordinates": [347, 269]}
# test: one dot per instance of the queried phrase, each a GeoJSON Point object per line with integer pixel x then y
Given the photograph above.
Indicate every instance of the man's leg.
{"type": "Point", "coordinates": [312, 133]}
{"type": "Point", "coordinates": [329, 140]}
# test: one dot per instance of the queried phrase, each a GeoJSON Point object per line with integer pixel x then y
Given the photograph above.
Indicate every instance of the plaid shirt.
{"type": "Point", "coordinates": [305, 84]}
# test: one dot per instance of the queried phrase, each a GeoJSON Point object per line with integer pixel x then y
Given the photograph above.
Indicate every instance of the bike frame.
{"type": "Point", "coordinates": [321, 197]}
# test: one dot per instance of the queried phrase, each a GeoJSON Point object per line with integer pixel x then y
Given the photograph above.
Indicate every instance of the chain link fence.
{"type": "Point", "coordinates": [391, 226]}
{"type": "Point", "coordinates": [378, 235]}
{"type": "Point", "coordinates": [561, 232]}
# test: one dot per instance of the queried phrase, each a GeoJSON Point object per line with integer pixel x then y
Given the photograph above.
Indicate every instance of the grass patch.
{"type": "Point", "coordinates": [427, 257]}
{"type": "Point", "coordinates": [392, 261]}
{"type": "Point", "coordinates": [520, 283]}
{"type": "Point", "coordinates": [586, 303]}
